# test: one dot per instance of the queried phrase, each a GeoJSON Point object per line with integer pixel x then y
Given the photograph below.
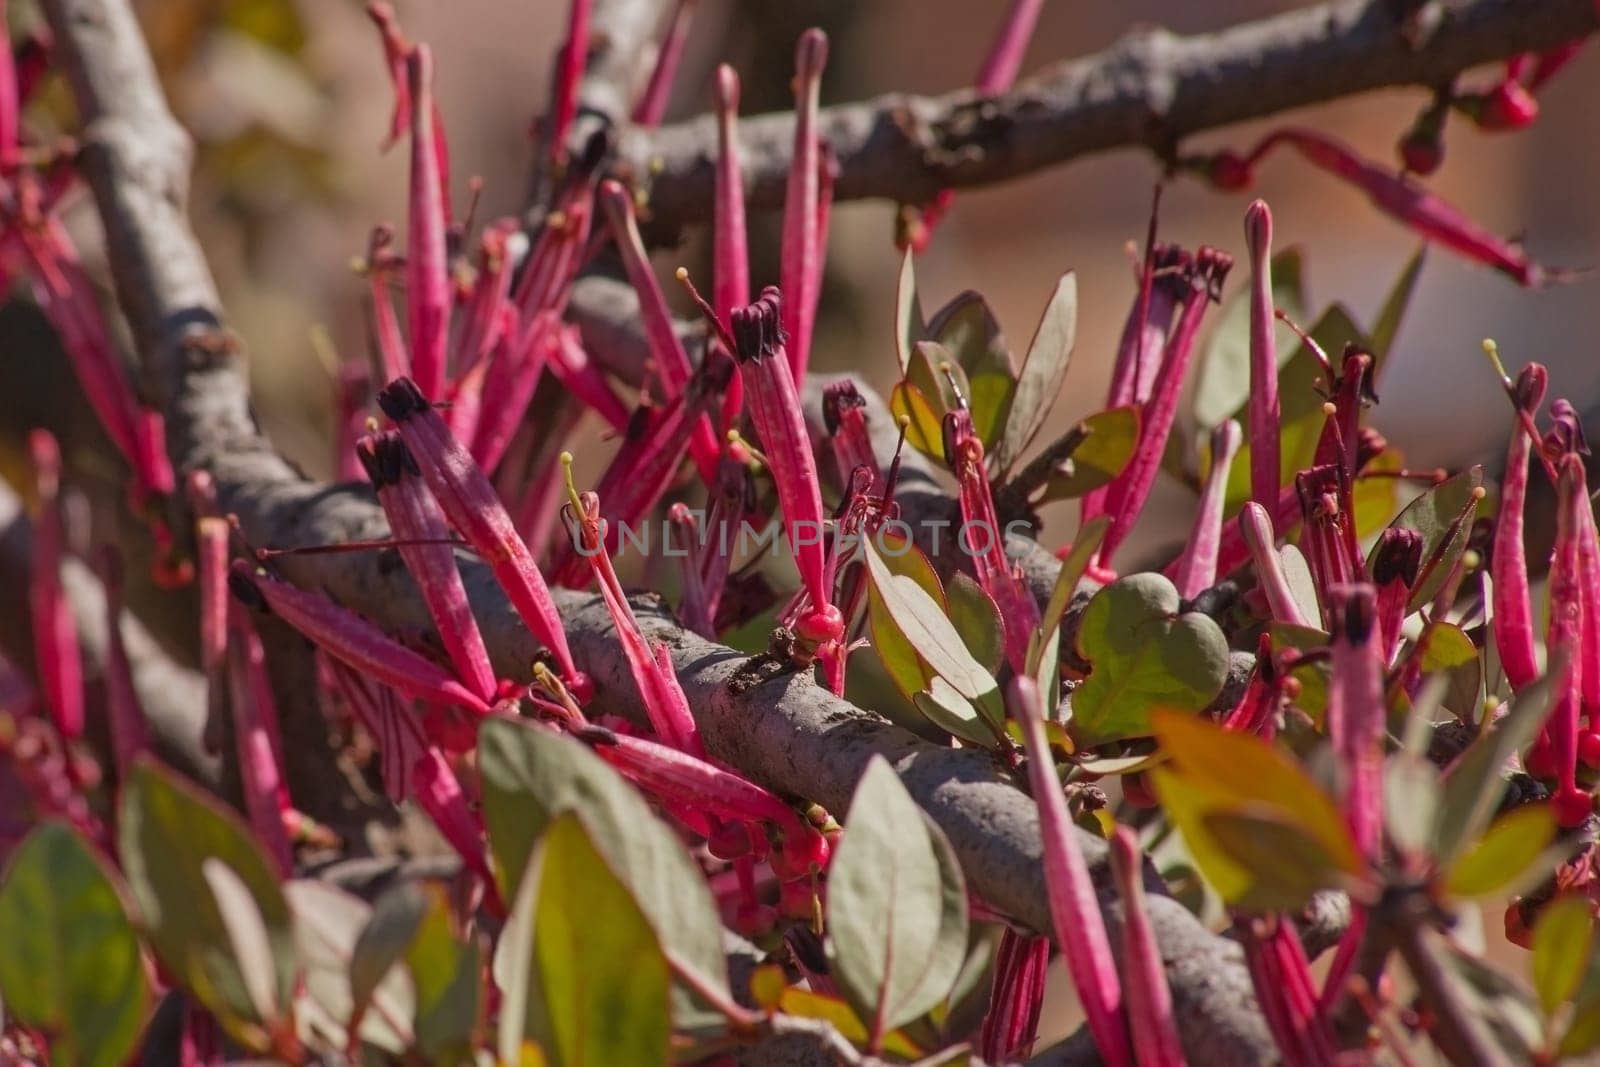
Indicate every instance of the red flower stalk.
{"type": "Point", "coordinates": [1330, 540]}
{"type": "Point", "coordinates": [845, 418]}
{"type": "Point", "coordinates": [55, 636]}
{"type": "Point", "coordinates": [1018, 610]}
{"type": "Point", "coordinates": [483, 319]}
{"type": "Point", "coordinates": [63, 289]}
{"type": "Point", "coordinates": [510, 380]}
{"type": "Point", "coordinates": [1265, 411]}
{"type": "Point", "coordinates": [757, 339]}
{"type": "Point", "coordinates": [427, 265]}
{"type": "Point", "coordinates": [699, 785]}
{"type": "Point", "coordinates": [1011, 1025]}
{"type": "Point", "coordinates": [394, 729]}
{"type": "Point", "coordinates": [568, 72]}
{"type": "Point", "coordinates": [801, 274]}
{"type": "Point", "coordinates": [1125, 497]}
{"type": "Point", "coordinates": [211, 566]}
{"type": "Point", "coordinates": [672, 367]}
{"type": "Point", "coordinates": [1074, 909]}
{"type": "Point", "coordinates": [1150, 1018]}
{"type": "Point", "coordinates": [255, 717]}
{"type": "Point", "coordinates": [380, 266]}
{"type": "Point", "coordinates": [730, 259]}
{"type": "Point", "coordinates": [347, 636]}
{"type": "Point", "coordinates": [665, 704]}
{"type": "Point", "coordinates": [1234, 551]}
{"type": "Point", "coordinates": [1352, 390]}
{"type": "Point", "coordinates": [1513, 609]}
{"type": "Point", "coordinates": [125, 717]}
{"type": "Point", "coordinates": [578, 375]}
{"type": "Point", "coordinates": [1394, 194]}
{"type": "Point", "coordinates": [1395, 568]}
{"type": "Point", "coordinates": [1197, 566]}
{"type": "Point", "coordinates": [999, 70]}
{"type": "Point", "coordinates": [1257, 711]}
{"type": "Point", "coordinates": [423, 536]}
{"type": "Point", "coordinates": [1164, 289]}
{"type": "Point", "coordinates": [711, 556]}
{"type": "Point", "coordinates": [1286, 991]}
{"type": "Point", "coordinates": [1558, 744]}
{"type": "Point", "coordinates": [558, 252]}
{"type": "Point", "coordinates": [651, 106]}
{"type": "Point", "coordinates": [472, 507]}
{"type": "Point", "coordinates": [1356, 711]}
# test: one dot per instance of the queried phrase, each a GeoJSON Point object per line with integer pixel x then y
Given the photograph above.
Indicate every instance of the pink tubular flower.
{"type": "Point", "coordinates": [1265, 412]}
{"type": "Point", "coordinates": [674, 775]}
{"type": "Point", "coordinates": [1126, 496]}
{"type": "Point", "coordinates": [844, 416]}
{"type": "Point", "coordinates": [427, 272]}
{"type": "Point", "coordinates": [1019, 612]}
{"type": "Point", "coordinates": [1256, 528]}
{"type": "Point", "coordinates": [255, 717]}
{"type": "Point", "coordinates": [1393, 194]}
{"type": "Point", "coordinates": [423, 536]}
{"type": "Point", "coordinates": [757, 339]}
{"type": "Point", "coordinates": [380, 266]}
{"type": "Point", "coordinates": [801, 273]}
{"type": "Point", "coordinates": [1396, 564]}
{"type": "Point", "coordinates": [1330, 540]}
{"type": "Point", "coordinates": [1079, 927]}
{"type": "Point", "coordinates": [483, 319]}
{"type": "Point", "coordinates": [391, 724]}
{"type": "Point", "coordinates": [1257, 711]}
{"type": "Point", "coordinates": [348, 637]}
{"type": "Point", "coordinates": [55, 636]}
{"type": "Point", "coordinates": [1011, 1025]}
{"type": "Point", "coordinates": [1356, 711]}
{"type": "Point", "coordinates": [568, 72]}
{"type": "Point", "coordinates": [667, 707]}
{"type": "Point", "coordinates": [1235, 549]}
{"type": "Point", "coordinates": [578, 375]}
{"type": "Point", "coordinates": [1197, 566]}
{"type": "Point", "coordinates": [129, 736]}
{"type": "Point", "coordinates": [211, 566]}
{"type": "Point", "coordinates": [1513, 609]}
{"type": "Point", "coordinates": [1286, 991]}
{"type": "Point", "coordinates": [651, 106]}
{"type": "Point", "coordinates": [672, 367]}
{"type": "Point", "coordinates": [473, 508]}
{"type": "Point", "coordinates": [510, 381]}
{"type": "Point", "coordinates": [1352, 390]}
{"type": "Point", "coordinates": [730, 269]}
{"type": "Point", "coordinates": [1150, 1018]}
{"type": "Point", "coordinates": [440, 795]}
{"type": "Point", "coordinates": [1558, 744]}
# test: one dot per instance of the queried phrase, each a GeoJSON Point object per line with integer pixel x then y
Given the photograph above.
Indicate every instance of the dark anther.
{"type": "Point", "coordinates": [401, 399]}
{"type": "Point", "coordinates": [758, 329]}
{"type": "Point", "coordinates": [1398, 558]}
{"type": "Point", "coordinates": [245, 592]}
{"type": "Point", "coordinates": [837, 398]}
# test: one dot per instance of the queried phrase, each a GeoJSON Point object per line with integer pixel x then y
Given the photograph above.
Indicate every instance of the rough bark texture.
{"type": "Point", "coordinates": [1151, 89]}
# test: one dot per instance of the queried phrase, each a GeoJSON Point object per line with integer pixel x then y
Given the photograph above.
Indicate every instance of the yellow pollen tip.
{"type": "Point", "coordinates": [1479, 492]}
{"type": "Point", "coordinates": [682, 274]}
{"type": "Point", "coordinates": [1330, 408]}
{"type": "Point", "coordinates": [903, 421]}
{"type": "Point", "coordinates": [572, 488]}
{"type": "Point", "coordinates": [371, 425]}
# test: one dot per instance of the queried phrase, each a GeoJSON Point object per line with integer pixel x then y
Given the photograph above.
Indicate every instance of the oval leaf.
{"type": "Point", "coordinates": [1042, 371]}
{"type": "Point", "coordinates": [1563, 944]}
{"type": "Point", "coordinates": [1505, 855]}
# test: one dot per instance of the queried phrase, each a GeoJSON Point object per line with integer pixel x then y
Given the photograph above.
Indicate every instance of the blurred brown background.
{"type": "Point", "coordinates": [289, 99]}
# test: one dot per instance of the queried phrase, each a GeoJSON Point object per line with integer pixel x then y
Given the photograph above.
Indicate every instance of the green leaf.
{"type": "Point", "coordinates": [924, 430]}
{"type": "Point", "coordinates": [1411, 802]}
{"type": "Point", "coordinates": [1042, 371]}
{"type": "Point", "coordinates": [1222, 376]}
{"type": "Point", "coordinates": [968, 329]}
{"type": "Point", "coordinates": [389, 931]}
{"type": "Point", "coordinates": [1563, 944]}
{"type": "Point", "coordinates": [804, 1004]}
{"type": "Point", "coordinates": [905, 668]}
{"type": "Point", "coordinates": [1443, 516]}
{"type": "Point", "coordinates": [1240, 772]}
{"type": "Point", "coordinates": [1285, 865]}
{"type": "Point", "coordinates": [953, 713]}
{"type": "Point", "coordinates": [1504, 856]}
{"type": "Point", "coordinates": [1387, 325]}
{"type": "Point", "coordinates": [1583, 1033]}
{"type": "Point", "coordinates": [328, 926]}
{"type": "Point", "coordinates": [897, 905]}
{"type": "Point", "coordinates": [1444, 650]}
{"type": "Point", "coordinates": [1143, 655]}
{"type": "Point", "coordinates": [921, 619]}
{"type": "Point", "coordinates": [1313, 676]}
{"type": "Point", "coordinates": [909, 327]}
{"type": "Point", "coordinates": [167, 831]}
{"type": "Point", "coordinates": [1475, 784]}
{"type": "Point", "coordinates": [69, 960]}
{"type": "Point", "coordinates": [1103, 455]}
{"type": "Point", "coordinates": [447, 974]}
{"type": "Point", "coordinates": [531, 775]}
{"type": "Point", "coordinates": [582, 972]}
{"type": "Point", "coordinates": [977, 619]}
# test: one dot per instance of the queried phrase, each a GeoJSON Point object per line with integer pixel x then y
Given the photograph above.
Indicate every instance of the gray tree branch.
{"type": "Point", "coordinates": [1152, 89]}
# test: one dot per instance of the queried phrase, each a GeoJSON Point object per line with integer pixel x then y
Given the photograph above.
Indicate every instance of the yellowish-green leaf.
{"type": "Point", "coordinates": [1103, 455]}
{"type": "Point", "coordinates": [1504, 855]}
{"type": "Point", "coordinates": [1563, 948]}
